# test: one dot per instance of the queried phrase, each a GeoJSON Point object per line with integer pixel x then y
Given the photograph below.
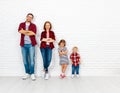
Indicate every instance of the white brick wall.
{"type": "Point", "coordinates": [93, 26]}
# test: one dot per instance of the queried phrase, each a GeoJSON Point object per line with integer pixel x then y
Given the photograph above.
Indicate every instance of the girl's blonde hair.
{"type": "Point", "coordinates": [75, 47]}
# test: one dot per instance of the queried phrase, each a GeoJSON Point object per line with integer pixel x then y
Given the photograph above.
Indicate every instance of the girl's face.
{"type": "Point", "coordinates": [75, 50]}
{"type": "Point", "coordinates": [47, 26]}
{"type": "Point", "coordinates": [62, 44]}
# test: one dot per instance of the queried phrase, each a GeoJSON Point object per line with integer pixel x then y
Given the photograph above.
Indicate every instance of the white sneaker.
{"type": "Point", "coordinates": [26, 76]}
{"type": "Point", "coordinates": [46, 76]}
{"type": "Point", "coordinates": [77, 76]}
{"type": "Point", "coordinates": [72, 76]}
{"type": "Point", "coordinates": [33, 77]}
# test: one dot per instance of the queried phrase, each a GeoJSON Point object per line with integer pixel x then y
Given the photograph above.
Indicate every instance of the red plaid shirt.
{"type": "Point", "coordinates": [75, 57]}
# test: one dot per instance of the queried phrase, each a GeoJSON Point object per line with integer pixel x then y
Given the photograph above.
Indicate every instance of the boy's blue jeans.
{"type": "Point", "coordinates": [47, 56]}
{"type": "Point", "coordinates": [75, 69]}
{"type": "Point", "coordinates": [28, 53]}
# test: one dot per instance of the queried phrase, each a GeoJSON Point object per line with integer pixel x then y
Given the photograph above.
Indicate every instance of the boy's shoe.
{"type": "Point", "coordinates": [77, 76]}
{"type": "Point", "coordinates": [33, 77]}
{"type": "Point", "coordinates": [26, 76]}
{"type": "Point", "coordinates": [72, 76]}
{"type": "Point", "coordinates": [46, 76]}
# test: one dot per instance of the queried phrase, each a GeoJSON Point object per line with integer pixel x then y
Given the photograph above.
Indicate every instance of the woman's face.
{"type": "Point", "coordinates": [47, 26]}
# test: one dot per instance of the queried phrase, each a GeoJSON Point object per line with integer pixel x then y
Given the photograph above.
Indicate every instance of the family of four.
{"type": "Point", "coordinates": [27, 30]}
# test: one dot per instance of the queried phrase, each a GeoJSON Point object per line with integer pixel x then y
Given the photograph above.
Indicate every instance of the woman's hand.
{"type": "Point", "coordinates": [49, 40]}
{"type": "Point", "coordinates": [44, 39]}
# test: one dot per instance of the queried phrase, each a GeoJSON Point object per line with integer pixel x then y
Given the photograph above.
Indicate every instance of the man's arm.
{"type": "Point", "coordinates": [27, 32]}
{"type": "Point", "coordinates": [22, 31]}
{"type": "Point", "coordinates": [30, 33]}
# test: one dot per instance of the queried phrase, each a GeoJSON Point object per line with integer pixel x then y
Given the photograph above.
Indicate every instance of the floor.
{"type": "Point", "coordinates": [57, 85]}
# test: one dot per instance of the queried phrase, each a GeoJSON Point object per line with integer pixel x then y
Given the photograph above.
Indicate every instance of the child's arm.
{"type": "Point", "coordinates": [60, 53]}
{"type": "Point", "coordinates": [64, 52]}
{"type": "Point", "coordinates": [79, 59]}
{"type": "Point", "coordinates": [71, 61]}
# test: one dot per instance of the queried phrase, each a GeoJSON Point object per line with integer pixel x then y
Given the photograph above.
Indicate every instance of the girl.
{"type": "Point", "coordinates": [63, 57]}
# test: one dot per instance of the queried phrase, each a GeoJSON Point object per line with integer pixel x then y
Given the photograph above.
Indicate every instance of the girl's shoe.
{"type": "Point", "coordinates": [61, 76]}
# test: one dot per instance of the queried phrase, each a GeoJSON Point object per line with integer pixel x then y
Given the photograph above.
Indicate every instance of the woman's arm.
{"type": "Point", "coordinates": [52, 37]}
{"type": "Point", "coordinates": [49, 40]}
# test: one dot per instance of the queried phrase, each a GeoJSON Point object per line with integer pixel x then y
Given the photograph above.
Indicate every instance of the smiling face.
{"type": "Point", "coordinates": [75, 50]}
{"type": "Point", "coordinates": [47, 26]}
{"type": "Point", "coordinates": [62, 44]}
{"type": "Point", "coordinates": [29, 18]}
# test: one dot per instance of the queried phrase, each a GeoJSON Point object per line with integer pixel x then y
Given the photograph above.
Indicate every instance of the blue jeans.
{"type": "Point", "coordinates": [46, 56]}
{"type": "Point", "coordinates": [28, 53]}
{"type": "Point", "coordinates": [75, 69]}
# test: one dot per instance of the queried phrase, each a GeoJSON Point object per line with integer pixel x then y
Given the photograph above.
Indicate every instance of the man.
{"type": "Point", "coordinates": [28, 31]}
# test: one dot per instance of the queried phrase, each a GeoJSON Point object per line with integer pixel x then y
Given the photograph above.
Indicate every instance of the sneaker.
{"type": "Point", "coordinates": [77, 76]}
{"type": "Point", "coordinates": [26, 76]}
{"type": "Point", "coordinates": [33, 77]}
{"type": "Point", "coordinates": [61, 76]}
{"type": "Point", "coordinates": [46, 76]}
{"type": "Point", "coordinates": [72, 76]}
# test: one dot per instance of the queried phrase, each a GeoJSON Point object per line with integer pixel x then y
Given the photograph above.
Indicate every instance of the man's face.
{"type": "Point", "coordinates": [29, 18]}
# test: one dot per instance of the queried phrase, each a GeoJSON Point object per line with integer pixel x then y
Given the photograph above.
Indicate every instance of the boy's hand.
{"type": "Point", "coordinates": [75, 64]}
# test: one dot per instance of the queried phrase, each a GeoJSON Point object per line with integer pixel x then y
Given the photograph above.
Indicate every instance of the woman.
{"type": "Point", "coordinates": [46, 46]}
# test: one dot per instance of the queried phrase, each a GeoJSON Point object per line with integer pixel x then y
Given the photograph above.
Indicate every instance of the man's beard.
{"type": "Point", "coordinates": [28, 21]}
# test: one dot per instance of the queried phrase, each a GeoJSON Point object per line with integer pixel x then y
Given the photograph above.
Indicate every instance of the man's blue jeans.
{"type": "Point", "coordinates": [28, 53]}
{"type": "Point", "coordinates": [75, 69]}
{"type": "Point", "coordinates": [47, 56]}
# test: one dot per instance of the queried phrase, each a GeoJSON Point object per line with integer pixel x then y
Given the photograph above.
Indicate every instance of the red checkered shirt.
{"type": "Point", "coordinates": [75, 57]}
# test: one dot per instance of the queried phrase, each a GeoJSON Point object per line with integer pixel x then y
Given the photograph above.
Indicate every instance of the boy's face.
{"type": "Point", "coordinates": [75, 50]}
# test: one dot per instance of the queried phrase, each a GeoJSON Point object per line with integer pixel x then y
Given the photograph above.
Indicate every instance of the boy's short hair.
{"type": "Point", "coordinates": [75, 47]}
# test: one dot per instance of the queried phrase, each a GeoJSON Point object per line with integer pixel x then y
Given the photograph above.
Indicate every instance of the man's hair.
{"type": "Point", "coordinates": [30, 14]}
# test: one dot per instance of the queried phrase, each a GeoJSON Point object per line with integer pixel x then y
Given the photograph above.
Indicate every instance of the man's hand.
{"type": "Point", "coordinates": [30, 33]}
{"type": "Point", "coordinates": [22, 31]}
